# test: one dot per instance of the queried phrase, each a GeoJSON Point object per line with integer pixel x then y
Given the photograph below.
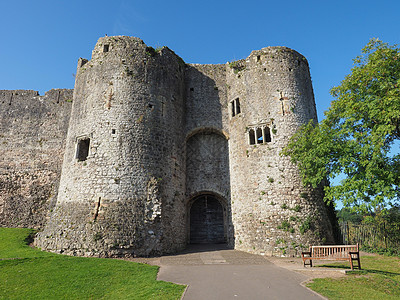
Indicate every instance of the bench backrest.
{"type": "Point", "coordinates": [341, 251]}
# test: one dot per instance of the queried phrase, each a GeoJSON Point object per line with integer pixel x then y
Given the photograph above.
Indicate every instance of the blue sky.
{"type": "Point", "coordinates": [42, 40]}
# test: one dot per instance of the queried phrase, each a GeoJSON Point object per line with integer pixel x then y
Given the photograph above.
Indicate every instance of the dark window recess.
{"type": "Point", "coordinates": [252, 138]}
{"type": "Point", "coordinates": [237, 102]}
{"type": "Point", "coordinates": [82, 150]}
{"type": "Point", "coordinates": [162, 108]}
{"type": "Point", "coordinates": [267, 135]}
{"type": "Point", "coordinates": [151, 105]}
{"type": "Point", "coordinates": [259, 136]}
{"type": "Point", "coordinates": [235, 105]}
{"type": "Point", "coordinates": [106, 48]}
{"type": "Point", "coordinates": [233, 108]}
{"type": "Point", "coordinates": [191, 89]}
{"type": "Point", "coordinates": [113, 131]}
{"type": "Point", "coordinates": [258, 58]}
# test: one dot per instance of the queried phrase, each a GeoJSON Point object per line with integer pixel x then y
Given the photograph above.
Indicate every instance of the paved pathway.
{"type": "Point", "coordinates": [219, 273]}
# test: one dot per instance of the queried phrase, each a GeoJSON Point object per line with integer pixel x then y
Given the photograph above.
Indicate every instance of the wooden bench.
{"type": "Point", "coordinates": [342, 252]}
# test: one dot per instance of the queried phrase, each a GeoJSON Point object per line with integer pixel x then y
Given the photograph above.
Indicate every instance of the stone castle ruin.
{"type": "Point", "coordinates": [148, 154]}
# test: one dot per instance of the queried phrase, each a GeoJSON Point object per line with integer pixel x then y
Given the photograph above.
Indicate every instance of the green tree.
{"type": "Point", "coordinates": [359, 137]}
{"type": "Point", "coordinates": [347, 215]}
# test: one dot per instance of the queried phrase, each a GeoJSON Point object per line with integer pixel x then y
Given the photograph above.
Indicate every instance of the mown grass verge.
{"type": "Point", "coordinates": [27, 273]}
{"type": "Point", "coordinates": [378, 279]}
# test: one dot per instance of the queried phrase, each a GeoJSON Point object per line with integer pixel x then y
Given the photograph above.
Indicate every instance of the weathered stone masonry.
{"type": "Point", "coordinates": [32, 142]}
{"type": "Point", "coordinates": [160, 153]}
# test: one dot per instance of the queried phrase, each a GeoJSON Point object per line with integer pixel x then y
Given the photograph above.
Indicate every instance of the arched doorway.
{"type": "Point", "coordinates": [207, 221]}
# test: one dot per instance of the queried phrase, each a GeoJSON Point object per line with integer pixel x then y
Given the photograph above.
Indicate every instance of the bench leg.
{"type": "Point", "coordinates": [309, 264]}
{"type": "Point", "coordinates": [357, 258]}
{"type": "Point", "coordinates": [358, 261]}
{"type": "Point", "coordinates": [306, 256]}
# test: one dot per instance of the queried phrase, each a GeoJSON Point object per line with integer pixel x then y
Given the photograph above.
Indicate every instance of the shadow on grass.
{"type": "Point", "coordinates": [364, 271]}
{"type": "Point", "coordinates": [30, 237]}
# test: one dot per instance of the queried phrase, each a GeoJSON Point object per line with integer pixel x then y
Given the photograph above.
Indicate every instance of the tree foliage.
{"type": "Point", "coordinates": [359, 137]}
{"type": "Point", "coordinates": [347, 215]}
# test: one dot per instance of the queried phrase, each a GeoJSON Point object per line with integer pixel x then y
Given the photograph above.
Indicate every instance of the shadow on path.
{"type": "Point", "coordinates": [216, 272]}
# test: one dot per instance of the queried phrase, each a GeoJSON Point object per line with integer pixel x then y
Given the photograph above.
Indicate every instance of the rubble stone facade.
{"type": "Point", "coordinates": [160, 153]}
{"type": "Point", "coordinates": [32, 142]}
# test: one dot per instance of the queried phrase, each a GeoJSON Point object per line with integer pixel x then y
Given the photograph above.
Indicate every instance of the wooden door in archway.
{"type": "Point", "coordinates": [207, 221]}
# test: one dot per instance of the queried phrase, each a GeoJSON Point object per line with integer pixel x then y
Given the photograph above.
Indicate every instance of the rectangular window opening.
{"type": "Point", "coordinates": [82, 149]}
{"type": "Point", "coordinates": [259, 136]}
{"type": "Point", "coordinates": [106, 48]}
{"type": "Point", "coordinates": [237, 102]}
{"type": "Point", "coordinates": [233, 108]}
{"type": "Point", "coordinates": [252, 138]}
{"type": "Point", "coordinates": [267, 135]}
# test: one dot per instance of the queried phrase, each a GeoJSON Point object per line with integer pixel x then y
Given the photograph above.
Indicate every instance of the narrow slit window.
{"type": "Point", "coordinates": [82, 149]}
{"type": "Point", "coordinates": [106, 48]}
{"type": "Point", "coordinates": [259, 136]}
{"type": "Point", "coordinates": [252, 138]}
{"type": "Point", "coordinates": [162, 108]}
{"type": "Point", "coordinates": [267, 135]}
{"type": "Point", "coordinates": [237, 102]}
{"type": "Point", "coordinates": [233, 108]}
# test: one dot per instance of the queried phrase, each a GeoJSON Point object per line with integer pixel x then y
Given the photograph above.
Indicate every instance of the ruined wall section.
{"type": "Point", "coordinates": [126, 197]}
{"type": "Point", "coordinates": [272, 212]}
{"type": "Point", "coordinates": [33, 129]}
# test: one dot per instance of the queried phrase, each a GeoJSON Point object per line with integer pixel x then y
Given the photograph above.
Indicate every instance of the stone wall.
{"type": "Point", "coordinates": [33, 129]}
{"type": "Point", "coordinates": [272, 212]}
{"type": "Point", "coordinates": [207, 154]}
{"type": "Point", "coordinates": [148, 137]}
{"type": "Point", "coordinates": [127, 196]}
{"type": "Point", "coordinates": [205, 101]}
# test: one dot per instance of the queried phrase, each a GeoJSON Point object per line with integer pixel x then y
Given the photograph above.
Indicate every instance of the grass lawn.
{"type": "Point", "coordinates": [27, 273]}
{"type": "Point", "coordinates": [378, 279]}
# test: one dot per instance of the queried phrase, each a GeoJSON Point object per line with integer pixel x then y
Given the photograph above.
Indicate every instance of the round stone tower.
{"type": "Point", "coordinates": [123, 179]}
{"type": "Point", "coordinates": [160, 154]}
{"type": "Point", "coordinates": [270, 96]}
